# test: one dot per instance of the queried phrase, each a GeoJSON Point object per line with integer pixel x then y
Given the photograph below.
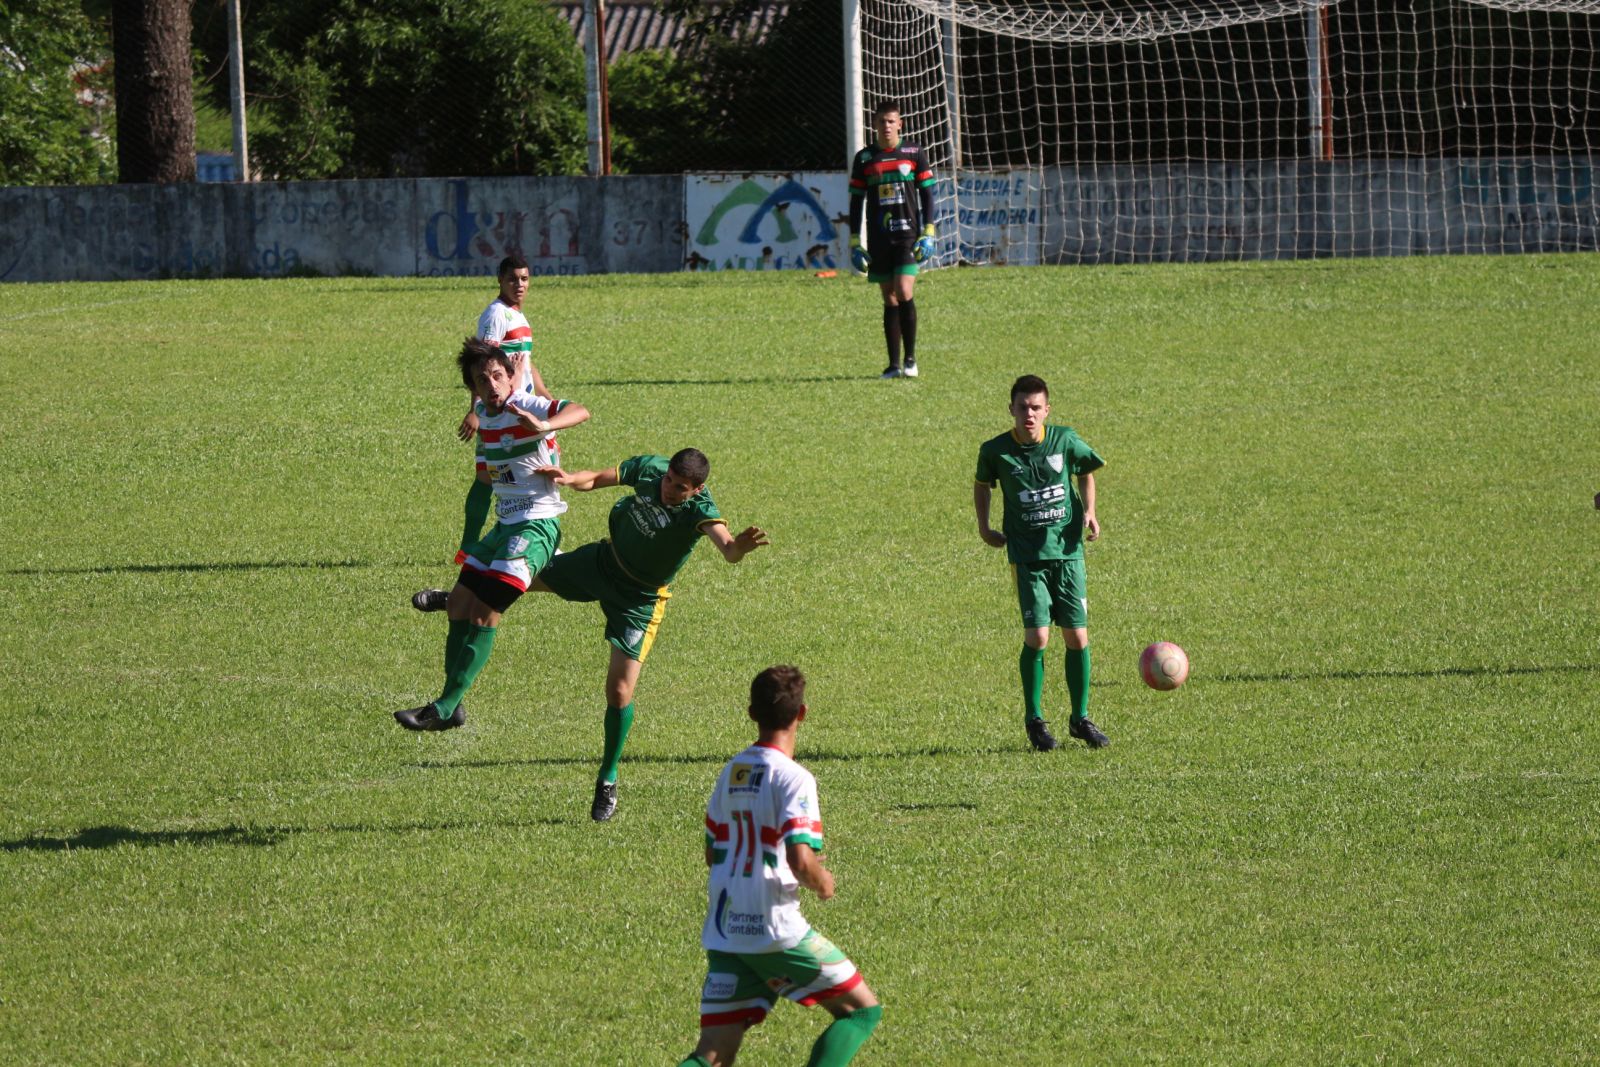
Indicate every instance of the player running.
{"type": "Point", "coordinates": [892, 181]}
{"type": "Point", "coordinates": [516, 442]}
{"type": "Point", "coordinates": [1043, 529]}
{"type": "Point", "coordinates": [653, 530]}
{"type": "Point", "coordinates": [763, 839]}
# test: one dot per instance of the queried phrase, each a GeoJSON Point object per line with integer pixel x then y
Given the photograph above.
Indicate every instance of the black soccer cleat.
{"type": "Point", "coordinates": [430, 599]}
{"type": "Point", "coordinates": [891, 371]}
{"type": "Point", "coordinates": [1039, 734]}
{"type": "Point", "coordinates": [1088, 733]}
{"type": "Point", "coordinates": [427, 718]}
{"type": "Point", "coordinates": [605, 801]}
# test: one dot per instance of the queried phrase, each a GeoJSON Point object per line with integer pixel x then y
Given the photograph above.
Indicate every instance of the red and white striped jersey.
{"type": "Point", "coordinates": [504, 325]}
{"type": "Point", "coordinates": [763, 801]}
{"type": "Point", "coordinates": [511, 453]}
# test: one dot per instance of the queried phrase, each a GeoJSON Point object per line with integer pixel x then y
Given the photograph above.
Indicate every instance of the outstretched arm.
{"type": "Point", "coordinates": [733, 548]}
{"type": "Point", "coordinates": [582, 481]}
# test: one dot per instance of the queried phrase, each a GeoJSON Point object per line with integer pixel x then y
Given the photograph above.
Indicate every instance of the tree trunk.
{"type": "Point", "coordinates": [154, 90]}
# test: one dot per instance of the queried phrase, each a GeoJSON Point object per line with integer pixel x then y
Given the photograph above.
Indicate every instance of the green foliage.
{"type": "Point", "coordinates": [49, 52]}
{"type": "Point", "coordinates": [409, 87]}
{"type": "Point", "coordinates": [660, 112]}
{"type": "Point", "coordinates": [1358, 493]}
{"type": "Point", "coordinates": [736, 100]}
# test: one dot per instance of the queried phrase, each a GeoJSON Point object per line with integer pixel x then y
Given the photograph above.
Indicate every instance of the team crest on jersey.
{"type": "Point", "coordinates": [633, 636]}
{"type": "Point", "coordinates": [746, 778]}
{"type": "Point", "coordinates": [1056, 462]}
{"type": "Point", "coordinates": [905, 168]}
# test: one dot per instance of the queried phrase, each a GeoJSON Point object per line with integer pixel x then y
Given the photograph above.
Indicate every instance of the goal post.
{"type": "Point", "coordinates": [1088, 131]}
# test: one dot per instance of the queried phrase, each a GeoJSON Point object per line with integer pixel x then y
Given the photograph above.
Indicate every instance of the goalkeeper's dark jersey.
{"type": "Point", "coordinates": [896, 186]}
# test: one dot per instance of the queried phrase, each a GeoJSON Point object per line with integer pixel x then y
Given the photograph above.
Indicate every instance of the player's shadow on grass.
{"type": "Point", "coordinates": [805, 755]}
{"type": "Point", "coordinates": [1440, 672]}
{"type": "Point", "coordinates": [198, 568]}
{"type": "Point", "coordinates": [777, 379]}
{"type": "Point", "coordinates": [104, 837]}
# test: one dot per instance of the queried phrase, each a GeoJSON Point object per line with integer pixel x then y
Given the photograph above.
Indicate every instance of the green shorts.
{"type": "Point", "coordinates": [1052, 591]}
{"type": "Point", "coordinates": [743, 987]}
{"type": "Point", "coordinates": [512, 552]}
{"type": "Point", "coordinates": [633, 613]}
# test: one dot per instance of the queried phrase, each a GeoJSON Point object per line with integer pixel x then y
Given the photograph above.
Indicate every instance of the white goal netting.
{"type": "Point", "coordinates": [1126, 130]}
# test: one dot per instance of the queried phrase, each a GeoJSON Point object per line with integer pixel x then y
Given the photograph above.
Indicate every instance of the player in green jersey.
{"type": "Point", "coordinates": [1045, 522]}
{"type": "Point", "coordinates": [653, 530]}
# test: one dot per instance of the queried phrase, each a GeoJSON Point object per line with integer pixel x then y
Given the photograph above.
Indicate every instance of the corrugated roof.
{"type": "Point", "coordinates": [635, 25]}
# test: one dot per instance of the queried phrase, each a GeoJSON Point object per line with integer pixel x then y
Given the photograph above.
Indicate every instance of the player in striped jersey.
{"type": "Point", "coordinates": [502, 323]}
{"type": "Point", "coordinates": [763, 837]}
{"type": "Point", "coordinates": [892, 182]}
{"type": "Point", "coordinates": [516, 441]}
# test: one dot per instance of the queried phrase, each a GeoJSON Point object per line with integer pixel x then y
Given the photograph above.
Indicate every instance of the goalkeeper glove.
{"type": "Point", "coordinates": [924, 248]}
{"type": "Point", "coordinates": [859, 260]}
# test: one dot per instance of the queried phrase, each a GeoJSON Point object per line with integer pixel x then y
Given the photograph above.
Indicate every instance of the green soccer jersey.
{"type": "Point", "coordinates": [1043, 514]}
{"type": "Point", "coordinates": [652, 540]}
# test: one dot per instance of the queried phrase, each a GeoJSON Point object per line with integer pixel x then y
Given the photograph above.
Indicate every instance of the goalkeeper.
{"type": "Point", "coordinates": [891, 180]}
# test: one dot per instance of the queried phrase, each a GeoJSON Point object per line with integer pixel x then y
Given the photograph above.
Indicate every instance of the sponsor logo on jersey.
{"type": "Point", "coordinates": [720, 986]}
{"type": "Point", "coordinates": [746, 778]}
{"type": "Point", "coordinates": [1048, 494]}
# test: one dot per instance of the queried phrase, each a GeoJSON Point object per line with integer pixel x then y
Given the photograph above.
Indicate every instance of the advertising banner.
{"type": "Point", "coordinates": [766, 221]}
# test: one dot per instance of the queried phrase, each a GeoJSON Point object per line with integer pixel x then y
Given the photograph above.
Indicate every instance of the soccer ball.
{"type": "Point", "coordinates": [1163, 665]}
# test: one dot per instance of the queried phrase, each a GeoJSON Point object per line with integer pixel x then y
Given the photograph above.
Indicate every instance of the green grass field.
{"type": "Point", "coordinates": [1358, 493]}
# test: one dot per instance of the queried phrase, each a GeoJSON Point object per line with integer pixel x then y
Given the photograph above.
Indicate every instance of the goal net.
{"type": "Point", "coordinates": [1086, 131]}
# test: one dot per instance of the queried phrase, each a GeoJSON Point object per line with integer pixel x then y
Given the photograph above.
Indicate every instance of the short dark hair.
{"type": "Point", "coordinates": [474, 352]}
{"type": "Point", "coordinates": [776, 697]}
{"type": "Point", "coordinates": [690, 463]}
{"type": "Point", "coordinates": [513, 261]}
{"type": "Point", "coordinates": [884, 107]}
{"type": "Point", "coordinates": [1027, 385]}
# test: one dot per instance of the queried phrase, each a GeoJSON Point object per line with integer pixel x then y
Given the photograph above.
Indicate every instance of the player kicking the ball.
{"type": "Point", "coordinates": [516, 441]}
{"type": "Point", "coordinates": [652, 533]}
{"type": "Point", "coordinates": [1043, 529]}
{"type": "Point", "coordinates": [763, 836]}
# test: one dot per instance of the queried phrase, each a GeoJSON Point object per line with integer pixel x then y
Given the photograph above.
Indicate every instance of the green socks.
{"type": "Point", "coordinates": [476, 644]}
{"type": "Point", "coordinates": [618, 722]}
{"type": "Point", "coordinates": [476, 511]}
{"type": "Point", "coordinates": [1078, 681]}
{"type": "Point", "coordinates": [455, 638]}
{"type": "Point", "coordinates": [838, 1044]}
{"type": "Point", "coordinates": [695, 1061]}
{"type": "Point", "coordinates": [1031, 664]}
